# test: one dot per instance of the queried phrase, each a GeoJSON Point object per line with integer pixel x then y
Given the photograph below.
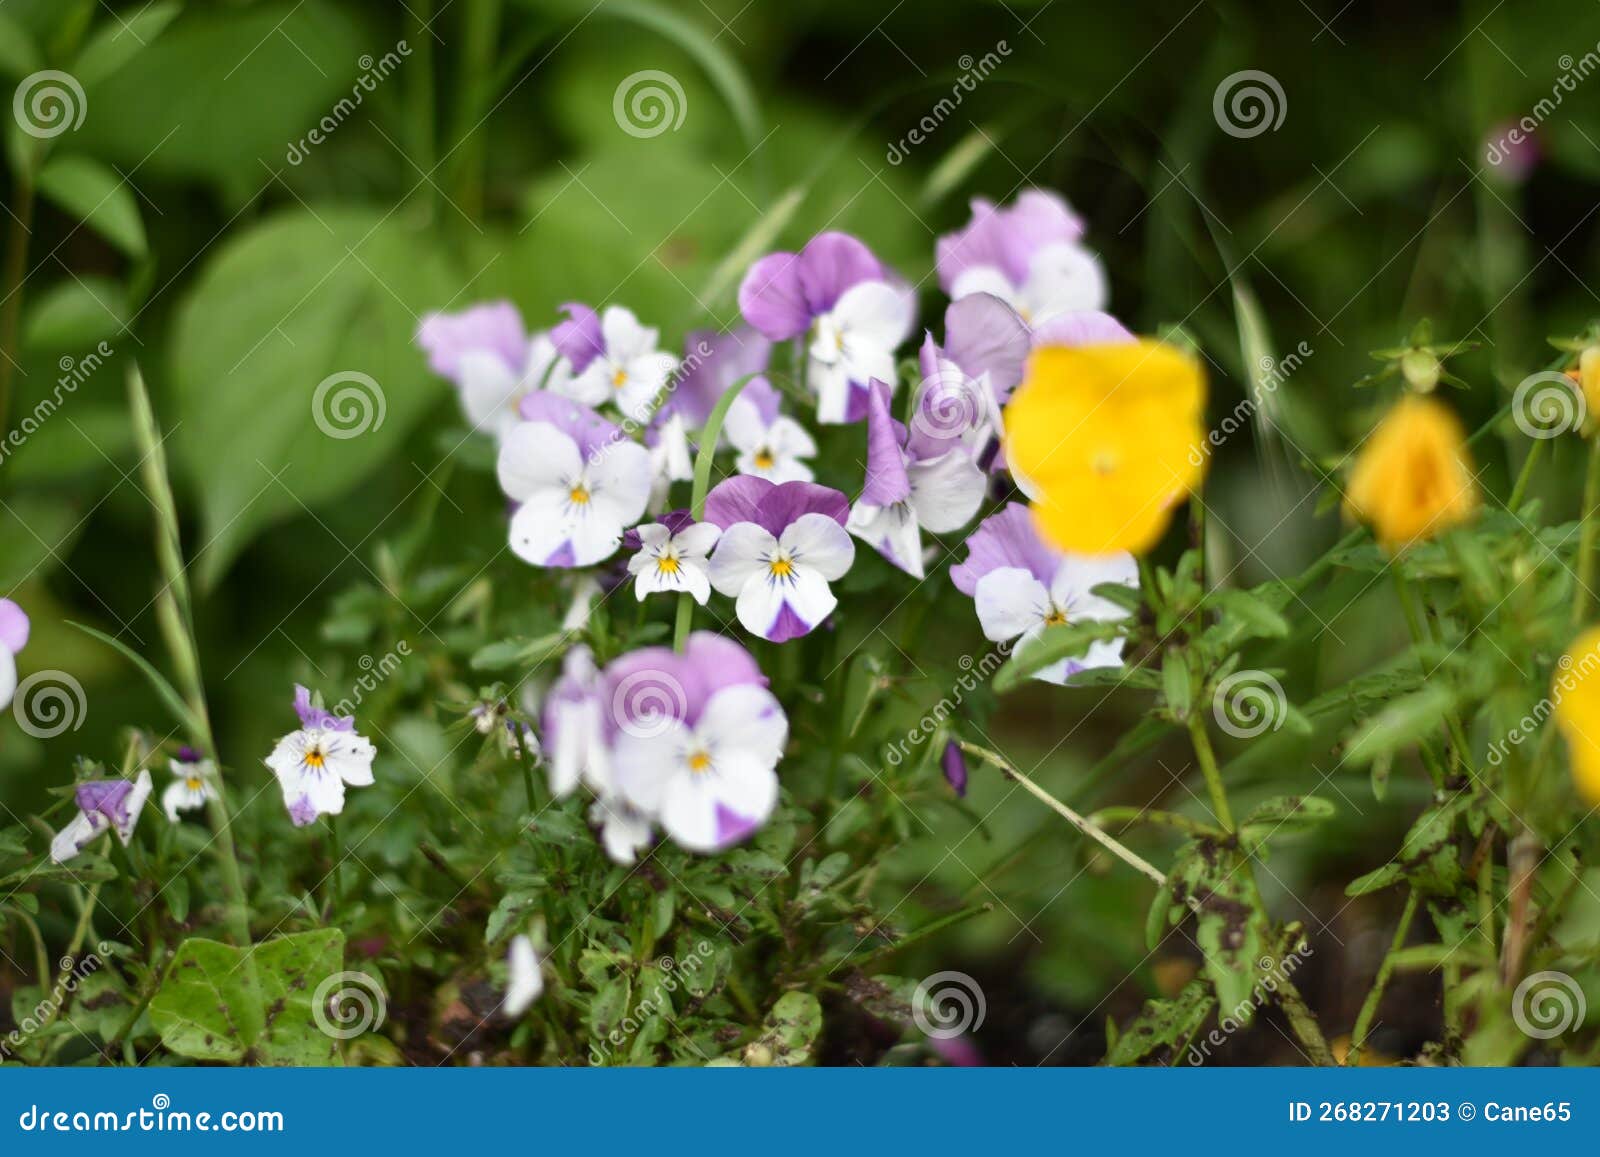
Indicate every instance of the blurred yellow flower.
{"type": "Point", "coordinates": [1588, 377]}
{"type": "Point", "coordinates": [1575, 691]}
{"type": "Point", "coordinates": [1106, 440]}
{"type": "Point", "coordinates": [1413, 478]}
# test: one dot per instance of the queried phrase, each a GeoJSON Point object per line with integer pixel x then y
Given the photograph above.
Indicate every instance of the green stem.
{"type": "Point", "coordinates": [1213, 774]}
{"type": "Point", "coordinates": [1525, 474]}
{"type": "Point", "coordinates": [1369, 1007]}
{"type": "Point", "coordinates": [1586, 535]}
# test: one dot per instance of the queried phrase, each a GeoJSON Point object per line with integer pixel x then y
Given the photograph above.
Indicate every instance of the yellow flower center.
{"type": "Point", "coordinates": [315, 758]}
{"type": "Point", "coordinates": [780, 567]}
{"type": "Point", "coordinates": [578, 495]}
{"type": "Point", "coordinates": [619, 379]}
{"type": "Point", "coordinates": [1056, 618]}
{"type": "Point", "coordinates": [193, 783]}
{"type": "Point", "coordinates": [764, 459]}
{"type": "Point", "coordinates": [700, 762]}
{"type": "Point", "coordinates": [667, 565]}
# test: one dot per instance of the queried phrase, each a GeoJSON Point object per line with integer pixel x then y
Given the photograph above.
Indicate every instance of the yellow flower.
{"type": "Point", "coordinates": [1107, 440]}
{"type": "Point", "coordinates": [1413, 478]}
{"type": "Point", "coordinates": [1575, 690]}
{"type": "Point", "coordinates": [1588, 377]}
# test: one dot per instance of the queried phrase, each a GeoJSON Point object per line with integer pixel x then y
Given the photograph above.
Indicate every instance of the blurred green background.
{"type": "Point", "coordinates": [191, 222]}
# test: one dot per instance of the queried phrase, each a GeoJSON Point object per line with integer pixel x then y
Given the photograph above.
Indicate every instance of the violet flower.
{"type": "Point", "coordinates": [1029, 255]}
{"type": "Point", "coordinates": [492, 362]}
{"type": "Point", "coordinates": [314, 764]}
{"type": "Point", "coordinates": [103, 805]}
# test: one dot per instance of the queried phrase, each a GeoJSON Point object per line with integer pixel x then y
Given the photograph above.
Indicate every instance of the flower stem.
{"type": "Point", "coordinates": [1369, 1007]}
{"type": "Point", "coordinates": [1213, 775]}
{"type": "Point", "coordinates": [1525, 474]}
{"type": "Point", "coordinates": [1093, 831]}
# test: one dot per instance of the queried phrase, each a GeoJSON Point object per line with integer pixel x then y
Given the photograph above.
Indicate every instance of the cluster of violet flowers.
{"type": "Point", "coordinates": [594, 424]}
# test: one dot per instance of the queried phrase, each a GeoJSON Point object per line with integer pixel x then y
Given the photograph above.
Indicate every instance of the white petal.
{"type": "Point", "coordinates": [892, 531]}
{"type": "Point", "coordinates": [1076, 575]}
{"type": "Point", "coordinates": [947, 491]}
{"type": "Point", "coordinates": [1010, 602]}
{"type": "Point", "coordinates": [349, 757]}
{"type": "Point", "coordinates": [134, 805]}
{"type": "Point", "coordinates": [624, 832]}
{"type": "Point", "coordinates": [76, 836]}
{"type": "Point", "coordinates": [537, 457]}
{"type": "Point", "coordinates": [8, 676]}
{"type": "Point", "coordinates": [875, 314]}
{"type": "Point", "coordinates": [624, 337]}
{"type": "Point", "coordinates": [696, 579]}
{"type": "Point", "coordinates": [489, 392]}
{"type": "Point", "coordinates": [539, 528]}
{"type": "Point", "coordinates": [988, 279]}
{"type": "Point", "coordinates": [806, 593]}
{"type": "Point", "coordinates": [739, 557]}
{"type": "Point", "coordinates": [788, 438]}
{"type": "Point", "coordinates": [698, 539]}
{"type": "Point", "coordinates": [744, 719]}
{"type": "Point", "coordinates": [526, 979]}
{"type": "Point", "coordinates": [644, 766]}
{"type": "Point", "coordinates": [619, 478]}
{"type": "Point", "coordinates": [819, 543]}
{"type": "Point", "coordinates": [742, 425]}
{"type": "Point", "coordinates": [592, 387]}
{"type": "Point", "coordinates": [1063, 278]}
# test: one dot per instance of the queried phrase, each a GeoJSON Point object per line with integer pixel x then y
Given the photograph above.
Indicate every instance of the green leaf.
{"type": "Point", "coordinates": [862, 685]}
{"type": "Point", "coordinates": [610, 1006]}
{"type": "Point", "coordinates": [1284, 815]}
{"type": "Point", "coordinates": [1256, 617]}
{"type": "Point", "coordinates": [1211, 880]}
{"type": "Point", "coordinates": [93, 193]}
{"type": "Point", "coordinates": [169, 695]}
{"type": "Point", "coordinates": [1068, 641]}
{"type": "Point", "coordinates": [1175, 684]}
{"type": "Point", "coordinates": [119, 41]}
{"type": "Point", "coordinates": [790, 1031]}
{"type": "Point", "coordinates": [76, 313]}
{"type": "Point", "coordinates": [1164, 1027]}
{"type": "Point", "coordinates": [251, 1006]}
{"type": "Point", "coordinates": [19, 55]}
{"type": "Point", "coordinates": [520, 653]}
{"type": "Point", "coordinates": [302, 302]}
{"type": "Point", "coordinates": [1403, 722]}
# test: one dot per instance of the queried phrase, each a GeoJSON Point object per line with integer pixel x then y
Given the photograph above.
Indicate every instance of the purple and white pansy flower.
{"type": "Point", "coordinates": [966, 382]}
{"type": "Point", "coordinates": [1022, 587]}
{"type": "Point", "coordinates": [103, 805]}
{"type": "Point", "coordinates": [905, 494]}
{"type": "Point", "coordinates": [314, 764]}
{"type": "Point", "coordinates": [696, 739]}
{"type": "Point", "coordinates": [855, 311]}
{"type": "Point", "coordinates": [194, 783]}
{"type": "Point", "coordinates": [580, 483]}
{"type": "Point", "coordinates": [1029, 255]}
{"type": "Point", "coordinates": [781, 546]}
{"type": "Point", "coordinates": [769, 444]}
{"type": "Point", "coordinates": [14, 629]}
{"type": "Point", "coordinates": [713, 363]}
{"type": "Point", "coordinates": [492, 362]}
{"type": "Point", "coordinates": [671, 558]}
{"type": "Point", "coordinates": [628, 369]}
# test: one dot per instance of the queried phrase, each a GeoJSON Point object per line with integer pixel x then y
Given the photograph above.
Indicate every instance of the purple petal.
{"type": "Point", "coordinates": [887, 481]}
{"type": "Point", "coordinates": [984, 335]}
{"type": "Point", "coordinates": [106, 797]}
{"type": "Point", "coordinates": [302, 811]}
{"type": "Point", "coordinates": [1007, 238]}
{"type": "Point", "coordinates": [1081, 328]}
{"type": "Point", "coordinates": [588, 429]}
{"type": "Point", "coordinates": [1006, 538]}
{"type": "Point", "coordinates": [733, 827]}
{"type": "Point", "coordinates": [772, 299]}
{"type": "Point", "coordinates": [788, 625]}
{"type": "Point", "coordinates": [746, 498]}
{"type": "Point", "coordinates": [954, 763]}
{"type": "Point", "coordinates": [720, 662]}
{"type": "Point", "coordinates": [314, 717]}
{"type": "Point", "coordinates": [188, 754]}
{"type": "Point", "coordinates": [495, 327]}
{"type": "Point", "coordinates": [830, 264]}
{"type": "Point", "coordinates": [14, 626]}
{"type": "Point", "coordinates": [578, 339]}
{"type": "Point", "coordinates": [737, 499]}
{"type": "Point", "coordinates": [713, 362]}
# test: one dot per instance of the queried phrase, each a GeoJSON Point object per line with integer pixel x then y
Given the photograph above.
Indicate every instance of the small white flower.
{"type": "Point", "coordinates": [314, 764]}
{"type": "Point", "coordinates": [674, 563]}
{"type": "Point", "coordinates": [629, 372]}
{"type": "Point", "coordinates": [574, 506]}
{"type": "Point", "coordinates": [103, 805]}
{"type": "Point", "coordinates": [713, 783]}
{"type": "Point", "coordinates": [781, 583]}
{"type": "Point", "coordinates": [526, 980]}
{"type": "Point", "coordinates": [193, 784]}
{"type": "Point", "coordinates": [1013, 604]}
{"type": "Point", "coordinates": [775, 450]}
{"type": "Point", "coordinates": [853, 344]}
